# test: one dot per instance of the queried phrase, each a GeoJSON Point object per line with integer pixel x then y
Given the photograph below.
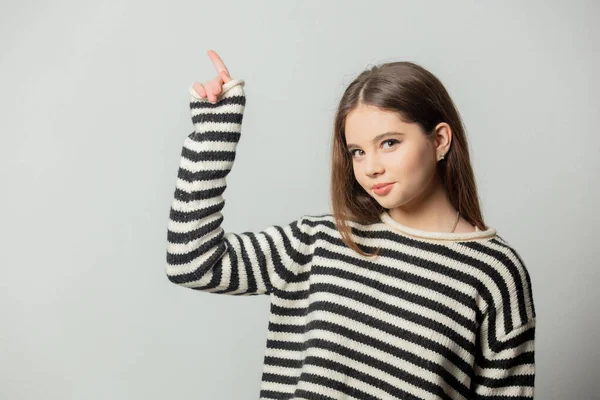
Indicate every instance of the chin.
{"type": "Point", "coordinates": [387, 203]}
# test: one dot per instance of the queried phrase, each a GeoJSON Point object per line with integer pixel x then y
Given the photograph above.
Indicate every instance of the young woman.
{"type": "Point", "coordinates": [402, 292]}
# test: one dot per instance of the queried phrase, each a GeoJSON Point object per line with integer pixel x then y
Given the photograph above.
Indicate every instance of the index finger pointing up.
{"type": "Point", "coordinates": [218, 63]}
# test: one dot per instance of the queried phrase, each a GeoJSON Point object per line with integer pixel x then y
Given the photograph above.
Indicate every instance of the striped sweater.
{"type": "Point", "coordinates": [434, 316]}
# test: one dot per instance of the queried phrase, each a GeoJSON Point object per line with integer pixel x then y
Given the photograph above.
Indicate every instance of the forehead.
{"type": "Point", "coordinates": [366, 121]}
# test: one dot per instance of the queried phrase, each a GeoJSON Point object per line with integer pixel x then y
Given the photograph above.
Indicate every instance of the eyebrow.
{"type": "Point", "coordinates": [377, 138]}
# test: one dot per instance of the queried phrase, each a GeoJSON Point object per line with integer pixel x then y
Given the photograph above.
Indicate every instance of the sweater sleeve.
{"type": "Point", "coordinates": [504, 365]}
{"type": "Point", "coordinates": [200, 255]}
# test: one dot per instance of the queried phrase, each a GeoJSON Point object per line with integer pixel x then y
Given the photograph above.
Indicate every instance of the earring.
{"type": "Point", "coordinates": [440, 156]}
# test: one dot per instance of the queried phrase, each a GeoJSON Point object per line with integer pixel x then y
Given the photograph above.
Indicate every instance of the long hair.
{"type": "Point", "coordinates": [419, 97]}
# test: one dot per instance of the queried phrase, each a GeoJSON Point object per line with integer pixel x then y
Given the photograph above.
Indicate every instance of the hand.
{"type": "Point", "coordinates": [212, 88]}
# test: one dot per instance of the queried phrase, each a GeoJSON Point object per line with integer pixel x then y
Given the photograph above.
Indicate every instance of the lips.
{"type": "Point", "coordinates": [383, 189]}
{"type": "Point", "coordinates": [380, 185]}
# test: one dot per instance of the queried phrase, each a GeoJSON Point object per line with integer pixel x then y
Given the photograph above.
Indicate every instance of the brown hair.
{"type": "Point", "coordinates": [419, 97]}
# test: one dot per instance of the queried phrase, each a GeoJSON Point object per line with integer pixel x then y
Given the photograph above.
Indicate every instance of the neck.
{"type": "Point", "coordinates": [431, 210]}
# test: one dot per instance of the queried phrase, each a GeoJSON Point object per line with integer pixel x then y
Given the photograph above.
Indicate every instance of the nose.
{"type": "Point", "coordinates": [373, 166]}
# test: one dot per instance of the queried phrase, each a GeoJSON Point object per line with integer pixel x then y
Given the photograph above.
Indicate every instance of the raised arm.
{"type": "Point", "coordinates": [200, 255]}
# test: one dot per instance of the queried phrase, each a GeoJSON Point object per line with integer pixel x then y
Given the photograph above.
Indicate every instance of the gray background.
{"type": "Point", "coordinates": [94, 107]}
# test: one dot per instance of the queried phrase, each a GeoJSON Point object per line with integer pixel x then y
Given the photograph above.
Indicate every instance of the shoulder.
{"type": "Point", "coordinates": [498, 256]}
{"type": "Point", "coordinates": [504, 258]}
{"type": "Point", "coordinates": [507, 283]}
{"type": "Point", "coordinates": [326, 223]}
{"type": "Point", "coordinates": [316, 222]}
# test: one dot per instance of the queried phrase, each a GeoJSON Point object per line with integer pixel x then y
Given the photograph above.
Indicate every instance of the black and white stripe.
{"type": "Point", "coordinates": [424, 320]}
{"type": "Point", "coordinates": [199, 254]}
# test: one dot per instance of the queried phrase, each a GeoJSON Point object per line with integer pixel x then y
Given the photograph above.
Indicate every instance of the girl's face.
{"type": "Point", "coordinates": [384, 149]}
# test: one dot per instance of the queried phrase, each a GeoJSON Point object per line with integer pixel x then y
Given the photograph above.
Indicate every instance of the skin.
{"type": "Point", "coordinates": [418, 198]}
{"type": "Point", "coordinates": [213, 87]}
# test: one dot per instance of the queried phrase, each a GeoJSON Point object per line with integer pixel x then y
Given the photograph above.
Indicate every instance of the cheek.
{"type": "Point", "coordinates": [409, 166]}
{"type": "Point", "coordinates": [420, 169]}
{"type": "Point", "coordinates": [359, 175]}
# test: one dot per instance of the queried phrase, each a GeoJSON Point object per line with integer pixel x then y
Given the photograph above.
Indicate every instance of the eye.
{"type": "Point", "coordinates": [394, 141]}
{"type": "Point", "coordinates": [352, 151]}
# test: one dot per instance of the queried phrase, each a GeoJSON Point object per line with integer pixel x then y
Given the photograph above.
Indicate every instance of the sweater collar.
{"type": "Point", "coordinates": [387, 219]}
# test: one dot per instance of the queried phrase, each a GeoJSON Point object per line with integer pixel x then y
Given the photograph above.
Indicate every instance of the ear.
{"type": "Point", "coordinates": [442, 135]}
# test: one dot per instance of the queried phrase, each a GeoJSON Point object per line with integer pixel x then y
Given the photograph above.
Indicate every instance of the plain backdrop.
{"type": "Point", "coordinates": [94, 103]}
